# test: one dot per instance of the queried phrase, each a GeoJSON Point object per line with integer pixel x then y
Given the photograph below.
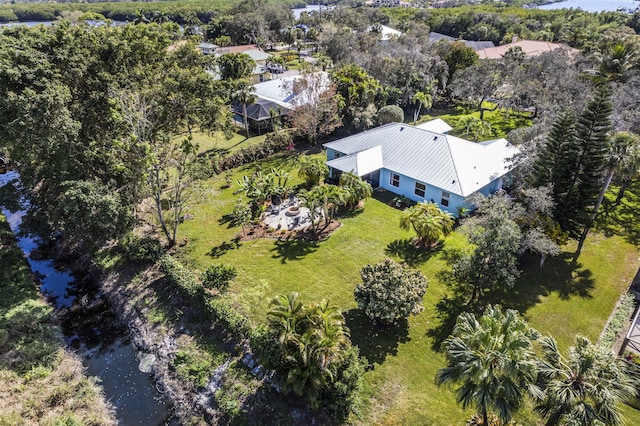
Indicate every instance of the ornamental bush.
{"type": "Point", "coordinates": [218, 277]}
{"type": "Point", "coordinates": [390, 291]}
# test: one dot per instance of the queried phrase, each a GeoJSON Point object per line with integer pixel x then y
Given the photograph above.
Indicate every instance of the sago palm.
{"type": "Point", "coordinates": [428, 221]}
{"type": "Point", "coordinates": [492, 361]}
{"type": "Point", "coordinates": [586, 388]}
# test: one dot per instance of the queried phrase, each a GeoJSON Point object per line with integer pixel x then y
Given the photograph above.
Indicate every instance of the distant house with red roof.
{"type": "Point", "coordinates": [529, 47]}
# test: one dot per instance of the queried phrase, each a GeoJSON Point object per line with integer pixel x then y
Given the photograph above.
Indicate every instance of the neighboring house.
{"type": "Point", "coordinates": [273, 100]}
{"type": "Point", "coordinates": [208, 48]}
{"type": "Point", "coordinates": [529, 47]}
{"type": "Point", "coordinates": [260, 72]}
{"type": "Point", "coordinates": [475, 45]}
{"type": "Point", "coordinates": [386, 33]}
{"type": "Point", "coordinates": [422, 165]}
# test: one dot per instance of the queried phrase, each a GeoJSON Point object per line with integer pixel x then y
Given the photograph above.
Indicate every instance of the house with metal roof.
{"type": "Point", "coordinates": [423, 165]}
{"type": "Point", "coordinates": [274, 98]}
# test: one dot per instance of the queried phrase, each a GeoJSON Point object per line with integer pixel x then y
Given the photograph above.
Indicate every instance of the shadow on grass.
{"type": "Point", "coordinates": [375, 341]}
{"type": "Point", "coordinates": [227, 219]}
{"type": "Point", "coordinates": [294, 249]}
{"type": "Point", "coordinates": [448, 310]}
{"type": "Point", "coordinates": [349, 213]}
{"type": "Point", "coordinates": [559, 275]}
{"type": "Point", "coordinates": [224, 247]}
{"type": "Point", "coordinates": [407, 251]}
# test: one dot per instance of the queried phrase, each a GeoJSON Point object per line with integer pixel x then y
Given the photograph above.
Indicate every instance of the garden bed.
{"type": "Point", "coordinates": [283, 234]}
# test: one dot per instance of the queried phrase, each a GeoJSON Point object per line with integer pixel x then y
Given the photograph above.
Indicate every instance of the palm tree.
{"type": "Point", "coordinates": [285, 316]}
{"type": "Point", "coordinates": [624, 154]}
{"type": "Point", "coordinates": [493, 362]}
{"type": "Point", "coordinates": [313, 170]}
{"type": "Point", "coordinates": [423, 99]}
{"type": "Point", "coordinates": [324, 62]}
{"type": "Point", "coordinates": [615, 63]}
{"type": "Point", "coordinates": [428, 221]}
{"type": "Point", "coordinates": [355, 189]}
{"type": "Point", "coordinates": [332, 337]}
{"type": "Point", "coordinates": [244, 94]}
{"type": "Point", "coordinates": [585, 388]}
{"type": "Point", "coordinates": [311, 200]}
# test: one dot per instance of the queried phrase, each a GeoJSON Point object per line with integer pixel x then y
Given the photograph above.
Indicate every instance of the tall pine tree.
{"type": "Point", "coordinates": [573, 162]}
{"type": "Point", "coordinates": [555, 164]}
{"type": "Point", "coordinates": [593, 129]}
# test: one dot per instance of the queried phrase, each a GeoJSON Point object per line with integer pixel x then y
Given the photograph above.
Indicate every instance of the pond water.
{"type": "Point", "coordinates": [594, 5]}
{"type": "Point", "coordinates": [309, 8]}
{"type": "Point", "coordinates": [92, 330]}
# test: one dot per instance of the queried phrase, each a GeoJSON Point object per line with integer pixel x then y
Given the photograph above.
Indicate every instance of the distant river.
{"type": "Point", "coordinates": [594, 5]}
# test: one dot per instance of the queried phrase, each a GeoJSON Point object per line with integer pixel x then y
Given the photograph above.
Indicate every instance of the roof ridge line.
{"type": "Point", "coordinates": [455, 168]}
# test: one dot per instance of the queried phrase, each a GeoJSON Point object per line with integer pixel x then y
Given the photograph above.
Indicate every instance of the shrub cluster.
{"type": "Point", "coordinates": [140, 249]}
{"type": "Point", "coordinates": [223, 315]}
{"type": "Point", "coordinates": [218, 277]}
{"type": "Point", "coordinates": [273, 143]}
{"type": "Point", "coordinates": [619, 319]}
{"type": "Point", "coordinates": [185, 280]}
{"type": "Point", "coordinates": [219, 311]}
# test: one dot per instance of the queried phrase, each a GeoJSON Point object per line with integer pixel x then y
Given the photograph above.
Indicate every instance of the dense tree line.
{"type": "Point", "coordinates": [90, 115]}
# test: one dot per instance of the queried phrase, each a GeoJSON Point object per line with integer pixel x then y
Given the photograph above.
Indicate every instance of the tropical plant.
{"type": "Point", "coordinates": [423, 99]}
{"type": "Point", "coordinates": [307, 345]}
{"type": "Point", "coordinates": [390, 291]}
{"type": "Point", "coordinates": [584, 389]}
{"type": "Point", "coordinates": [355, 188]}
{"type": "Point", "coordinates": [322, 202]}
{"type": "Point", "coordinates": [428, 221]}
{"type": "Point", "coordinates": [244, 95]}
{"type": "Point", "coordinates": [492, 361]}
{"type": "Point", "coordinates": [313, 170]}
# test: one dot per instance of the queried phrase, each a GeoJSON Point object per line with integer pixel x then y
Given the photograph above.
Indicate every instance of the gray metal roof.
{"type": "Point", "coordinates": [447, 162]}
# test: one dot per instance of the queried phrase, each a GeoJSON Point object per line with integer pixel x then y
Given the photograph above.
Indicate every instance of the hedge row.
{"type": "Point", "coordinates": [223, 315]}
{"type": "Point", "coordinates": [619, 320]}
{"type": "Point", "coordinates": [274, 142]}
{"type": "Point", "coordinates": [185, 280]}
{"type": "Point", "coordinates": [218, 310]}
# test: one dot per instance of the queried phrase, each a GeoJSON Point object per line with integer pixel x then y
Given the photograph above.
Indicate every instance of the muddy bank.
{"type": "Point", "coordinates": [128, 292]}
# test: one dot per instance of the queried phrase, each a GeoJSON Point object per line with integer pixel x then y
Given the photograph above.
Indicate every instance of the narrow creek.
{"type": "Point", "coordinates": [91, 329]}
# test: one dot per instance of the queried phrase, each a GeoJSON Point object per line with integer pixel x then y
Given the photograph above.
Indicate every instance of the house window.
{"type": "Point", "coordinates": [395, 180]}
{"type": "Point", "coordinates": [420, 189]}
{"type": "Point", "coordinates": [445, 199]}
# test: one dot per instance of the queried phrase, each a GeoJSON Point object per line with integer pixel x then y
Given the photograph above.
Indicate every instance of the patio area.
{"type": "Point", "coordinates": [288, 215]}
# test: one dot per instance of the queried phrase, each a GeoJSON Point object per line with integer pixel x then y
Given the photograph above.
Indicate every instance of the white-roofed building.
{"type": "Point", "coordinates": [423, 165]}
{"type": "Point", "coordinates": [274, 97]}
{"type": "Point", "coordinates": [437, 125]}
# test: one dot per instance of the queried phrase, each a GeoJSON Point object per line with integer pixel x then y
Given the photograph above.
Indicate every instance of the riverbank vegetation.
{"type": "Point", "coordinates": [41, 382]}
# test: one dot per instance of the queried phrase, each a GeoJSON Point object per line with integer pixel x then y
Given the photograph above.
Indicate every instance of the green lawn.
{"type": "Point", "coordinates": [218, 143]}
{"type": "Point", "coordinates": [556, 299]}
{"type": "Point", "coordinates": [501, 122]}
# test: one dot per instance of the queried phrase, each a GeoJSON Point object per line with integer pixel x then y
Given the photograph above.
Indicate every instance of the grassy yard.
{"type": "Point", "coordinates": [558, 299]}
{"type": "Point", "coordinates": [500, 122]}
{"type": "Point", "coordinates": [218, 143]}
